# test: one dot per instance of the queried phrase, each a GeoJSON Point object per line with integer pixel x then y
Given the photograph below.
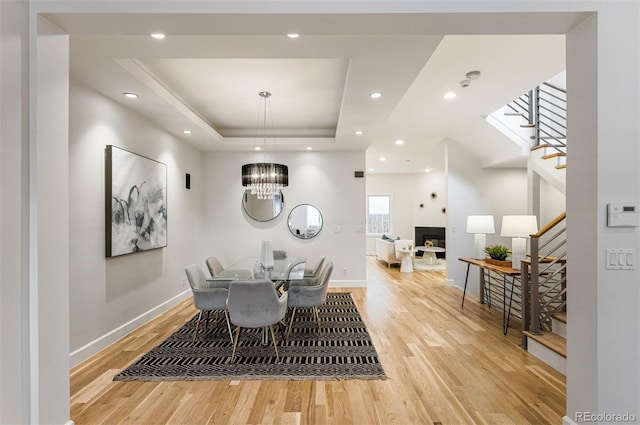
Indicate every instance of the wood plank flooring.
{"type": "Point", "coordinates": [445, 366]}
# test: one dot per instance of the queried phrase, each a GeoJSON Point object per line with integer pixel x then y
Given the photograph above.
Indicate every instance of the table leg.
{"type": "Point", "coordinates": [504, 302]}
{"type": "Point", "coordinates": [466, 279]}
{"type": "Point", "coordinates": [482, 285]}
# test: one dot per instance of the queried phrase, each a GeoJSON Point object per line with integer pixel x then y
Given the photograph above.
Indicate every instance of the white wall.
{"type": "Point", "coordinates": [603, 368]}
{"type": "Point", "coordinates": [323, 179]}
{"type": "Point", "coordinates": [14, 216]}
{"type": "Point", "coordinates": [407, 192]}
{"type": "Point", "coordinates": [552, 203]}
{"type": "Point", "coordinates": [111, 296]}
{"type": "Point", "coordinates": [473, 190]}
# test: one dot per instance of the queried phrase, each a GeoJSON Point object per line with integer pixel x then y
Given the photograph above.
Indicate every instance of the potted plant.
{"type": "Point", "coordinates": [497, 255]}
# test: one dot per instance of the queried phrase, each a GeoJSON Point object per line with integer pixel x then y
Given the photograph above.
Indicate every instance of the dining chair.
{"type": "Point", "coordinates": [292, 271]}
{"type": "Point", "coordinates": [207, 295]}
{"type": "Point", "coordinates": [279, 254]}
{"type": "Point", "coordinates": [315, 271]}
{"type": "Point", "coordinates": [214, 265]}
{"type": "Point", "coordinates": [255, 304]}
{"type": "Point", "coordinates": [305, 296]}
{"type": "Point", "coordinates": [216, 268]}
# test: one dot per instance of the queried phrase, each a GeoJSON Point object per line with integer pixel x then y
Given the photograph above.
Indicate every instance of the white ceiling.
{"type": "Point", "coordinates": [206, 74]}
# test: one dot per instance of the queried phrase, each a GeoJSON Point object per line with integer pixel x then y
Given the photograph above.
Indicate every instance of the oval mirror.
{"type": "Point", "coordinates": [262, 209]}
{"type": "Point", "coordinates": [305, 221]}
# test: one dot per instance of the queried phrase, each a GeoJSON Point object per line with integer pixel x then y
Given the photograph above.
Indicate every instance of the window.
{"type": "Point", "coordinates": [379, 214]}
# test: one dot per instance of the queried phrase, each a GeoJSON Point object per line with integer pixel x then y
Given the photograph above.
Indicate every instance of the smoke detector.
{"type": "Point", "coordinates": [472, 75]}
{"type": "Point", "coordinates": [464, 83]}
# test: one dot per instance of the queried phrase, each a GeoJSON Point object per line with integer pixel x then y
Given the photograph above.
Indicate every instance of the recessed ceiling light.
{"type": "Point", "coordinates": [309, 148]}
{"type": "Point", "coordinates": [158, 35]}
{"type": "Point", "coordinates": [186, 131]}
{"type": "Point", "coordinates": [293, 35]}
{"type": "Point", "coordinates": [375, 95]}
{"type": "Point", "coordinates": [131, 95]}
{"type": "Point", "coordinates": [257, 148]}
{"type": "Point", "coordinates": [382, 158]}
{"type": "Point", "coordinates": [358, 132]}
{"type": "Point", "coordinates": [399, 142]}
{"type": "Point", "coordinates": [372, 169]}
{"type": "Point", "coordinates": [449, 95]}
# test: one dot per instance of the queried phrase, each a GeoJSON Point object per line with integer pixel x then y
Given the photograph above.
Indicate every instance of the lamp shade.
{"type": "Point", "coordinates": [518, 226]}
{"type": "Point", "coordinates": [480, 224]}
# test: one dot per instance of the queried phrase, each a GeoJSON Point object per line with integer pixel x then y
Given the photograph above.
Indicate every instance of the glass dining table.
{"type": "Point", "coordinates": [283, 270]}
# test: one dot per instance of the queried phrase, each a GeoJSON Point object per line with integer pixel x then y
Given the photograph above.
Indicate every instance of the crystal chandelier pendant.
{"type": "Point", "coordinates": [265, 179]}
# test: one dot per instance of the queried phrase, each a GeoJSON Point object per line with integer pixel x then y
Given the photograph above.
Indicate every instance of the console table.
{"type": "Point", "coordinates": [490, 277]}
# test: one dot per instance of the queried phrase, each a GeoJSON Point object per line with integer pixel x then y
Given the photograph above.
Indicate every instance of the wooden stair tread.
{"type": "Point", "coordinates": [553, 155]}
{"type": "Point", "coordinates": [542, 146]}
{"type": "Point", "coordinates": [560, 317]}
{"type": "Point", "coordinates": [552, 341]}
{"type": "Point", "coordinates": [561, 166]}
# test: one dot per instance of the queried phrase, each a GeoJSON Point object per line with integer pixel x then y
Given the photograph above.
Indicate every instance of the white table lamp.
{"type": "Point", "coordinates": [480, 225]}
{"type": "Point", "coordinates": [518, 227]}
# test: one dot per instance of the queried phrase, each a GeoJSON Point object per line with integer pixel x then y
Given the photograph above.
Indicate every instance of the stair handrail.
{"type": "Point", "coordinates": [550, 225]}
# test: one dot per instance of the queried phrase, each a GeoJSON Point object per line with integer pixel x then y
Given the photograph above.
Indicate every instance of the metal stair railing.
{"type": "Point", "coordinates": [544, 277]}
{"type": "Point", "coordinates": [551, 117]}
{"type": "Point", "coordinates": [545, 110]}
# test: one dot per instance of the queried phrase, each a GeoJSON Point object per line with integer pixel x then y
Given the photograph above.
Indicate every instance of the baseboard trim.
{"type": "Point", "coordinates": [567, 421]}
{"type": "Point", "coordinates": [109, 338]}
{"type": "Point", "coordinates": [347, 284]}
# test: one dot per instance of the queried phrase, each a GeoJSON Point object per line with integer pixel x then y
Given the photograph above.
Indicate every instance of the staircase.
{"type": "Point", "coordinates": [543, 111]}
{"type": "Point", "coordinates": [541, 126]}
{"type": "Point", "coordinates": [544, 293]}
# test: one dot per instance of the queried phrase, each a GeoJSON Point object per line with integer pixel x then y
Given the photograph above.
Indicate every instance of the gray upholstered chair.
{"type": "Point", "coordinates": [279, 254]}
{"type": "Point", "coordinates": [255, 304]}
{"type": "Point", "coordinates": [305, 296]}
{"type": "Point", "coordinates": [292, 270]}
{"type": "Point", "coordinates": [207, 295]}
{"type": "Point", "coordinates": [314, 272]}
{"type": "Point", "coordinates": [214, 265]}
{"type": "Point", "coordinates": [215, 268]}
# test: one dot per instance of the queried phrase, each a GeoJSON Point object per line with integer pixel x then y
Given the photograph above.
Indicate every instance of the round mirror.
{"type": "Point", "coordinates": [305, 221]}
{"type": "Point", "coordinates": [262, 209]}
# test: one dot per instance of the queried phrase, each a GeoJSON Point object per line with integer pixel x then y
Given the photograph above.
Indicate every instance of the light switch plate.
{"type": "Point", "coordinates": [620, 259]}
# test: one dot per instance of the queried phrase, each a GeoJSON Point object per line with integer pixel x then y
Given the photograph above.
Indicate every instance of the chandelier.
{"type": "Point", "coordinates": [265, 179]}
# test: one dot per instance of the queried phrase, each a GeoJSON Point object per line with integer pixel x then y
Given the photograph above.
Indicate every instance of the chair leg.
{"type": "Point", "coordinates": [293, 315]}
{"type": "Point", "coordinates": [226, 316]}
{"type": "Point", "coordinates": [235, 344]}
{"type": "Point", "coordinates": [315, 311]}
{"type": "Point", "coordinates": [197, 324]}
{"type": "Point", "coordinates": [275, 346]}
{"type": "Point", "coordinates": [206, 321]}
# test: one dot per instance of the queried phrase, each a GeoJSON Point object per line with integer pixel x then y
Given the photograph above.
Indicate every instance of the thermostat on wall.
{"type": "Point", "coordinates": [622, 215]}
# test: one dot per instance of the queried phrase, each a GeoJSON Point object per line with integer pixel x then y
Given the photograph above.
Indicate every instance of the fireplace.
{"type": "Point", "coordinates": [434, 234]}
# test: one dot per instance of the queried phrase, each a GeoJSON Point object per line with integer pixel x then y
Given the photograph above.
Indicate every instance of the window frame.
{"type": "Point", "coordinates": [388, 195]}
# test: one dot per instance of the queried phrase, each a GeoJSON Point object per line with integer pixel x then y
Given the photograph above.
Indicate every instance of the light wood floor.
{"type": "Point", "coordinates": [445, 366]}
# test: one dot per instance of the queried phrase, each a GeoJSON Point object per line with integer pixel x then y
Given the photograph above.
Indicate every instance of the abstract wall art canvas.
{"type": "Point", "coordinates": [135, 202]}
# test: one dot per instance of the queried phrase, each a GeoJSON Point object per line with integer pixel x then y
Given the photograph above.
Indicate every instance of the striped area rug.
{"type": "Point", "coordinates": [342, 350]}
